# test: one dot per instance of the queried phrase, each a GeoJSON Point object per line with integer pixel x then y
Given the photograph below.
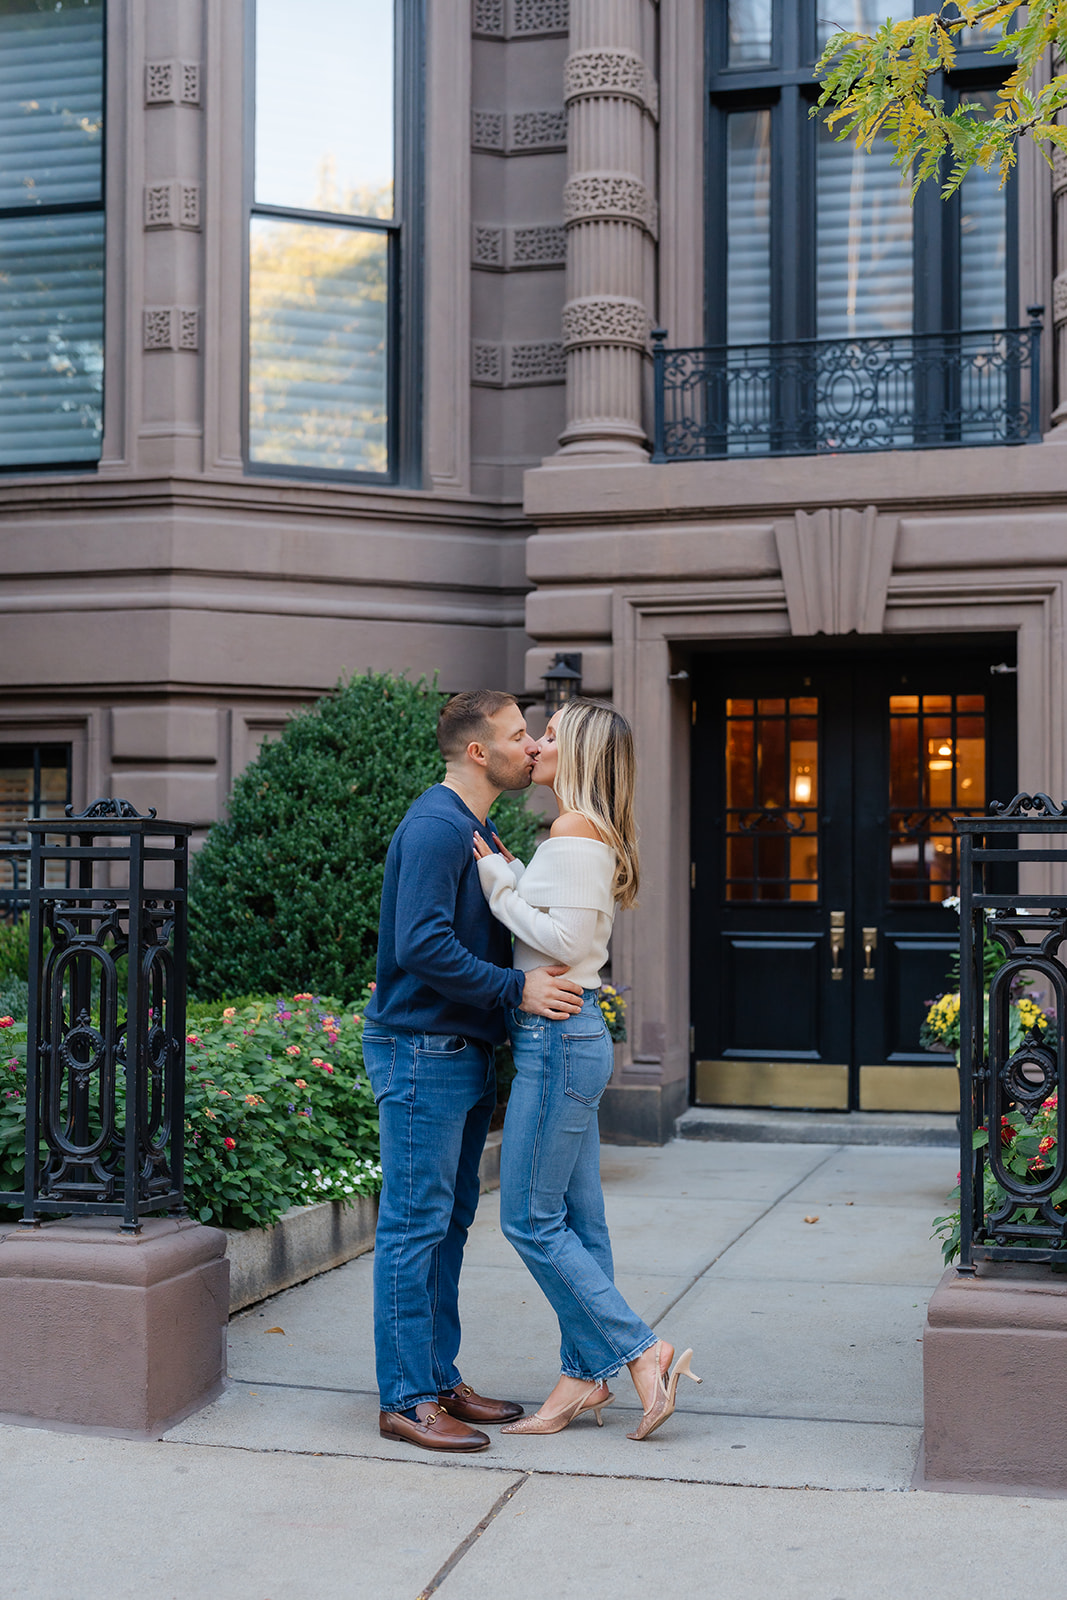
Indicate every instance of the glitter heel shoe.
{"type": "Point", "coordinates": [560, 1419]}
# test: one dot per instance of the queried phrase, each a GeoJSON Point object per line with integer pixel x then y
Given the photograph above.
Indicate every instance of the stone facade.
{"type": "Point", "coordinates": [164, 613]}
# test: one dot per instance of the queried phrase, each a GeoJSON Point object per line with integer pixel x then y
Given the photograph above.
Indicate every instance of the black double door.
{"type": "Point", "coordinates": [823, 847]}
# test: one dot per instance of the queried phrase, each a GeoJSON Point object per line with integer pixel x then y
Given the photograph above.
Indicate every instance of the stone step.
{"type": "Point", "coordinates": [818, 1127]}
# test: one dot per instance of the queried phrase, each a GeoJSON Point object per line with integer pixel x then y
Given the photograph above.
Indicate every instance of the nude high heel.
{"type": "Point", "coordinates": [560, 1419]}
{"type": "Point", "coordinates": [663, 1401]}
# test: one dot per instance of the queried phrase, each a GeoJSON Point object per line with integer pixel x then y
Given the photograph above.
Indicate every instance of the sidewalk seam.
{"type": "Point", "coordinates": [667, 1309]}
{"type": "Point", "coordinates": [472, 1538]}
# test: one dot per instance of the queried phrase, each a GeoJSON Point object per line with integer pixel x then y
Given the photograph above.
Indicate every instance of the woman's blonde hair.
{"type": "Point", "coordinates": [595, 777]}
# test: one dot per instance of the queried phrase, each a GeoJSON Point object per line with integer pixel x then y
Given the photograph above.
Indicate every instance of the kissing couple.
{"type": "Point", "coordinates": [449, 984]}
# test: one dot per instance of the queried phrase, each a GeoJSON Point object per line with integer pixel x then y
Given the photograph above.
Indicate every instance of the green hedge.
{"type": "Point", "coordinates": [285, 890]}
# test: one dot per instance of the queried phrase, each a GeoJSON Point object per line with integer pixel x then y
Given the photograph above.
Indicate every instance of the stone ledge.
{"type": "Point", "coordinates": [311, 1239]}
{"type": "Point", "coordinates": [813, 1127]}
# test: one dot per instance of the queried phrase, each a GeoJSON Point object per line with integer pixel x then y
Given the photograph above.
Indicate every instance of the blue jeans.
{"type": "Point", "coordinates": [551, 1202]}
{"type": "Point", "coordinates": [435, 1094]}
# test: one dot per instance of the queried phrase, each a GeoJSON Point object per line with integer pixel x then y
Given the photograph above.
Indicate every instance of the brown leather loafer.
{"type": "Point", "coordinates": [463, 1403]}
{"type": "Point", "coordinates": [434, 1429]}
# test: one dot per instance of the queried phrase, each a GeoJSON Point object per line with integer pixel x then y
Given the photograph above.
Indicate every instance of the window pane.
{"type": "Point", "coordinates": [51, 102]}
{"type": "Point", "coordinates": [864, 242]}
{"type": "Point", "coordinates": [861, 16]}
{"type": "Point", "coordinates": [983, 240]}
{"type": "Point", "coordinates": [51, 339]}
{"type": "Point", "coordinates": [748, 243]}
{"type": "Point", "coordinates": [750, 32]}
{"type": "Point", "coordinates": [318, 301]}
{"type": "Point", "coordinates": [324, 105]}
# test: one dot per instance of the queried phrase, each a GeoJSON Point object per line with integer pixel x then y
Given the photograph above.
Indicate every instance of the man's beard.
{"type": "Point", "coordinates": [503, 776]}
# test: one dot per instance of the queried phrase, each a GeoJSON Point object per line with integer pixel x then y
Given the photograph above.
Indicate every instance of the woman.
{"type": "Point", "coordinates": [561, 909]}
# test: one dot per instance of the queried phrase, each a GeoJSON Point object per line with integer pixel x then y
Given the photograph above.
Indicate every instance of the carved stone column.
{"type": "Point", "coordinates": [609, 209]}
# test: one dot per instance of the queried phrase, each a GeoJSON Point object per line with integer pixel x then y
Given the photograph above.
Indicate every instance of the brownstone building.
{"type": "Point", "coordinates": [325, 339]}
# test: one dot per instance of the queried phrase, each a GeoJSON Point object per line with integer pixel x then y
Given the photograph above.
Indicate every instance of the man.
{"type": "Point", "coordinates": [429, 1038]}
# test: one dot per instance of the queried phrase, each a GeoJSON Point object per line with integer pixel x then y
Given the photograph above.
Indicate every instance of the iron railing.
{"type": "Point", "coordinates": [105, 1040]}
{"type": "Point", "coordinates": [829, 396]}
{"type": "Point", "coordinates": [1007, 1214]}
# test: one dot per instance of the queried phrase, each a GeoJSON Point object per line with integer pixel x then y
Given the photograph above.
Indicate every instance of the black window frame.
{"type": "Point", "coordinates": [12, 839]}
{"type": "Point", "coordinates": [787, 88]}
{"type": "Point", "coordinates": [405, 231]}
{"type": "Point", "coordinates": [75, 208]}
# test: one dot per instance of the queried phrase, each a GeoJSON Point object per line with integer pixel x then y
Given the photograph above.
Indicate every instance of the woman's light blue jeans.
{"type": "Point", "coordinates": [436, 1095]}
{"type": "Point", "coordinates": [551, 1202]}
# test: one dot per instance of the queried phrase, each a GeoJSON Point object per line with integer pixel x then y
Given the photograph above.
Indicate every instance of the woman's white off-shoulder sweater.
{"type": "Point", "coordinates": [560, 908]}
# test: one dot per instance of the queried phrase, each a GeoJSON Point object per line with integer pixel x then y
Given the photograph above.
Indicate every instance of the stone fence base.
{"type": "Point", "coordinates": [994, 1350]}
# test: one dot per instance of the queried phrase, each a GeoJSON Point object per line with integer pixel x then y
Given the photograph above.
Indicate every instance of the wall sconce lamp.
{"type": "Point", "coordinates": [562, 681]}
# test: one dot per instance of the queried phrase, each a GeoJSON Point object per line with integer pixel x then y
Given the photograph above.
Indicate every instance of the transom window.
{"type": "Point", "coordinates": [810, 238]}
{"type": "Point", "coordinates": [51, 232]}
{"type": "Point", "coordinates": [332, 259]}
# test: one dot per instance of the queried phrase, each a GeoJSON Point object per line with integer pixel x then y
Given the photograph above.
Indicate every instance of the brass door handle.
{"type": "Point", "coordinates": [837, 943]}
{"type": "Point", "coordinates": [870, 944]}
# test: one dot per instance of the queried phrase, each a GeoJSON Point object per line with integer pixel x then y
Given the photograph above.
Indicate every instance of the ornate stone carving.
{"type": "Point", "coordinates": [159, 83]}
{"type": "Point", "coordinates": [188, 328]}
{"type": "Point", "coordinates": [541, 246]}
{"type": "Point", "coordinates": [1059, 298]}
{"type": "Point", "coordinates": [611, 196]}
{"type": "Point", "coordinates": [610, 72]}
{"type": "Point", "coordinates": [613, 319]}
{"type": "Point", "coordinates": [188, 205]}
{"type": "Point", "coordinates": [488, 18]}
{"type": "Point", "coordinates": [172, 83]}
{"type": "Point", "coordinates": [487, 130]}
{"type": "Point", "coordinates": [539, 362]}
{"type": "Point", "coordinates": [487, 363]}
{"type": "Point", "coordinates": [488, 247]}
{"type": "Point", "coordinates": [172, 205]}
{"type": "Point", "coordinates": [539, 16]}
{"type": "Point", "coordinates": [538, 130]}
{"type": "Point", "coordinates": [159, 205]}
{"type": "Point", "coordinates": [171, 328]}
{"type": "Point", "coordinates": [519, 249]}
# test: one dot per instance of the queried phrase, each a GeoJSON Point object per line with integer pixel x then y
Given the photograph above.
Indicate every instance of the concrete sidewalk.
{"type": "Point", "coordinates": [788, 1471]}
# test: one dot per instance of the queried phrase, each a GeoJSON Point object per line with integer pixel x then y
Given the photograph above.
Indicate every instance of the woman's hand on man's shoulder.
{"type": "Point", "coordinates": [572, 825]}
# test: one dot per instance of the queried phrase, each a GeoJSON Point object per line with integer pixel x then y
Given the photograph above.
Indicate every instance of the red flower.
{"type": "Point", "coordinates": [231, 1144]}
{"type": "Point", "coordinates": [326, 1067]}
{"type": "Point", "coordinates": [1046, 1144]}
{"type": "Point", "coordinates": [7, 1022]}
{"type": "Point", "coordinates": [1007, 1132]}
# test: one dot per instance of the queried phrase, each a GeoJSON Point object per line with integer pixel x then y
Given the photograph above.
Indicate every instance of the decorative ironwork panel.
{"type": "Point", "coordinates": [1013, 1080]}
{"type": "Point", "coordinates": [105, 1047]}
{"type": "Point", "coordinates": [828, 396]}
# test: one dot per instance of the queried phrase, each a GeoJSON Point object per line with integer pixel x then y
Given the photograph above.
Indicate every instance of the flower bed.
{"type": "Point", "coordinates": [278, 1111]}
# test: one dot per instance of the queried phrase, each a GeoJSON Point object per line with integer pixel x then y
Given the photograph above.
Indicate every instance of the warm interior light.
{"type": "Point", "coordinates": [802, 786]}
{"type": "Point", "coordinates": [940, 766]}
{"type": "Point", "coordinates": [944, 749]}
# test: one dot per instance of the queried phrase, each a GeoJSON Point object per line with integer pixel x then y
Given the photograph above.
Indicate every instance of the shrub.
{"type": "Point", "coordinates": [278, 1111]}
{"type": "Point", "coordinates": [286, 889]}
{"type": "Point", "coordinates": [14, 948]}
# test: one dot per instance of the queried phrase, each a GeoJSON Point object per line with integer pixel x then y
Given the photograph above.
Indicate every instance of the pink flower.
{"type": "Point", "coordinates": [285, 1016]}
{"type": "Point", "coordinates": [300, 1083]}
{"type": "Point", "coordinates": [326, 1067]}
{"type": "Point", "coordinates": [7, 1022]}
{"type": "Point", "coordinates": [231, 1144]}
{"type": "Point", "coordinates": [303, 997]}
{"type": "Point", "coordinates": [191, 1038]}
{"type": "Point", "coordinates": [229, 1013]}
{"type": "Point", "coordinates": [292, 1049]}
{"type": "Point", "coordinates": [356, 1017]}
{"type": "Point", "coordinates": [1046, 1144]}
{"type": "Point", "coordinates": [373, 987]}
{"type": "Point", "coordinates": [316, 1061]}
{"type": "Point", "coordinates": [332, 1036]}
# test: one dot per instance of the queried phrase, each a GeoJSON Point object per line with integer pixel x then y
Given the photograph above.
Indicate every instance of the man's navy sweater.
{"type": "Point", "coordinates": [444, 961]}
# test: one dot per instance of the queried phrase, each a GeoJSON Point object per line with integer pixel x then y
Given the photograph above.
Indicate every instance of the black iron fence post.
{"type": "Point", "coordinates": [659, 341]}
{"type": "Point", "coordinates": [105, 1045]}
{"type": "Point", "coordinates": [1035, 313]}
{"type": "Point", "coordinates": [1023, 1221]}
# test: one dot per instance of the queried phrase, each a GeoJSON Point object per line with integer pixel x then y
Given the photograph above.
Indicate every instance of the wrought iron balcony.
{"type": "Point", "coordinates": [830, 396]}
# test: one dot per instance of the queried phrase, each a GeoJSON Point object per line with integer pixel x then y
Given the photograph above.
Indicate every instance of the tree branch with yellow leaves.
{"type": "Point", "coordinates": [878, 86]}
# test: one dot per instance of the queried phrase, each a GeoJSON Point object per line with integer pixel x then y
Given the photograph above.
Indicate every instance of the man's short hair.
{"type": "Point", "coordinates": [464, 719]}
